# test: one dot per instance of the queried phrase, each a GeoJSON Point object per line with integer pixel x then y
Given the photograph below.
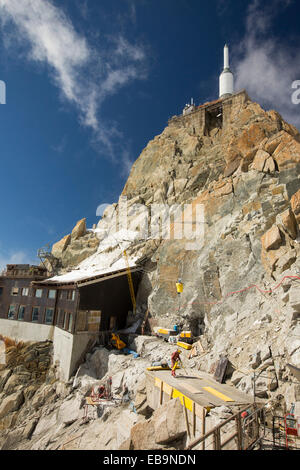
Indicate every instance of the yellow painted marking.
{"type": "Point", "coordinates": [176, 394]}
{"type": "Point", "coordinates": [173, 393]}
{"type": "Point", "coordinates": [217, 394]}
{"type": "Point", "coordinates": [187, 401]}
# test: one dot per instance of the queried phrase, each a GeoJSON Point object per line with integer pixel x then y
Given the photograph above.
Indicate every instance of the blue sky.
{"type": "Point", "coordinates": [90, 82]}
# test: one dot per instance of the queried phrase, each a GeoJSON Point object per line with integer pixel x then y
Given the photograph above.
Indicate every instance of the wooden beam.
{"type": "Point", "coordinates": [161, 393]}
{"type": "Point", "coordinates": [194, 419]}
{"type": "Point", "coordinates": [186, 418]}
{"type": "Point", "coordinates": [239, 430]}
{"type": "Point", "coordinates": [203, 426]}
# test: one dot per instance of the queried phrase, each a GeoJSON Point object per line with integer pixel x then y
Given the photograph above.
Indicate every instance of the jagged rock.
{"type": "Point", "coordinates": [4, 376]}
{"type": "Point", "coordinates": [142, 436]}
{"type": "Point", "coordinates": [140, 403]}
{"type": "Point", "coordinates": [46, 423]}
{"type": "Point", "coordinates": [272, 240]}
{"type": "Point", "coordinates": [269, 166]}
{"type": "Point", "coordinates": [44, 395]}
{"type": "Point", "coordinates": [286, 261]}
{"type": "Point", "coordinates": [265, 353]}
{"type": "Point", "coordinates": [59, 247]}
{"type": "Point", "coordinates": [12, 440]}
{"type": "Point", "coordinates": [295, 203]}
{"type": "Point", "coordinates": [169, 422]}
{"type": "Point", "coordinates": [16, 381]}
{"type": "Point", "coordinates": [69, 411]}
{"type": "Point", "coordinates": [260, 160]}
{"type": "Point", "coordinates": [294, 298]}
{"type": "Point", "coordinates": [29, 429]}
{"type": "Point", "coordinates": [256, 360]}
{"type": "Point", "coordinates": [11, 403]}
{"type": "Point", "coordinates": [244, 175]}
{"type": "Point", "coordinates": [237, 377]}
{"type": "Point", "coordinates": [79, 230]}
{"type": "Point", "coordinates": [289, 222]}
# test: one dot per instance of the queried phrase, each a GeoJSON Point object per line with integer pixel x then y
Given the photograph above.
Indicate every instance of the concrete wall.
{"type": "Point", "coordinates": [25, 331]}
{"type": "Point", "coordinates": [67, 348]}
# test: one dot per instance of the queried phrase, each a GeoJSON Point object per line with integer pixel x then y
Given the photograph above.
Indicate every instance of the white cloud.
{"type": "Point", "coordinates": [17, 257]}
{"type": "Point", "coordinates": [86, 76]}
{"type": "Point", "coordinates": [264, 65]}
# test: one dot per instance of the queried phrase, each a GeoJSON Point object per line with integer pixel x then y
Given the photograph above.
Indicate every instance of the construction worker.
{"type": "Point", "coordinates": [175, 358]}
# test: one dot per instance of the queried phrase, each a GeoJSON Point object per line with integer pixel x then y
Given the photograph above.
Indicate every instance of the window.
{"type": "Point", "coordinates": [1, 290]}
{"type": "Point", "coordinates": [61, 294]}
{"type": "Point", "coordinates": [49, 315]}
{"type": "Point", "coordinates": [15, 291]}
{"type": "Point", "coordinates": [66, 321]}
{"type": "Point", "coordinates": [60, 317]}
{"type": "Point", "coordinates": [35, 314]}
{"type": "Point", "coordinates": [51, 294]}
{"type": "Point", "coordinates": [39, 293]}
{"type": "Point", "coordinates": [71, 294]}
{"type": "Point", "coordinates": [25, 291]}
{"type": "Point", "coordinates": [11, 312]}
{"type": "Point", "coordinates": [21, 312]}
{"type": "Point", "coordinates": [70, 323]}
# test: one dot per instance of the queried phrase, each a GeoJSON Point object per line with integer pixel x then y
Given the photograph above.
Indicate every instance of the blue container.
{"type": "Point", "coordinates": [175, 328]}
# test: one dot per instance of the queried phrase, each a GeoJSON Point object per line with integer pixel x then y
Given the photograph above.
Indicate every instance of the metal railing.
{"type": "Point", "coordinates": [234, 433]}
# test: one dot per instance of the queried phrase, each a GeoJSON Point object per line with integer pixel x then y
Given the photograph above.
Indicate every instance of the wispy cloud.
{"type": "Point", "coordinates": [264, 64]}
{"type": "Point", "coordinates": [17, 257]}
{"type": "Point", "coordinates": [85, 75]}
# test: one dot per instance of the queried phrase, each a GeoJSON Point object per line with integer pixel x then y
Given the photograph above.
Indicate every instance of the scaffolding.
{"type": "Point", "coordinates": [44, 254]}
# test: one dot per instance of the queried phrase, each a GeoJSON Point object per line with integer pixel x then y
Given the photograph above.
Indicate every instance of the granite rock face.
{"type": "Point", "coordinates": [245, 176]}
{"type": "Point", "coordinates": [239, 284]}
{"type": "Point", "coordinates": [75, 247]}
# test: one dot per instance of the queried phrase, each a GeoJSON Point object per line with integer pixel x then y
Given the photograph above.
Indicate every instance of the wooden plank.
{"type": "Point", "coordinates": [203, 427]}
{"type": "Point", "coordinates": [218, 394]}
{"type": "Point", "coordinates": [186, 418]}
{"type": "Point", "coordinates": [217, 439]}
{"type": "Point", "coordinates": [221, 370]}
{"type": "Point", "coordinates": [194, 419]}
{"type": "Point", "coordinates": [161, 393]}
{"type": "Point", "coordinates": [239, 430]}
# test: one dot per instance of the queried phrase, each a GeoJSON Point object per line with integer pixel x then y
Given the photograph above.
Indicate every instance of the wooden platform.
{"type": "Point", "coordinates": [201, 388]}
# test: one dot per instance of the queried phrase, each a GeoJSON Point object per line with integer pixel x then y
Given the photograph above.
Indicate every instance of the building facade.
{"type": "Point", "coordinates": [71, 314]}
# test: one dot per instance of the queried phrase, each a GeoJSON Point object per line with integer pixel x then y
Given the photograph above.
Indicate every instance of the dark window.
{"type": "Point", "coordinates": [15, 291]}
{"type": "Point", "coordinates": [21, 312]}
{"type": "Point", "coordinates": [60, 317]}
{"type": "Point", "coordinates": [49, 315]}
{"type": "Point", "coordinates": [35, 314]}
{"type": "Point", "coordinates": [66, 321]}
{"type": "Point", "coordinates": [1, 290]}
{"type": "Point", "coordinates": [71, 294]}
{"type": "Point", "coordinates": [51, 294]}
{"type": "Point", "coordinates": [39, 293]}
{"type": "Point", "coordinates": [70, 323]}
{"type": "Point", "coordinates": [12, 311]}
